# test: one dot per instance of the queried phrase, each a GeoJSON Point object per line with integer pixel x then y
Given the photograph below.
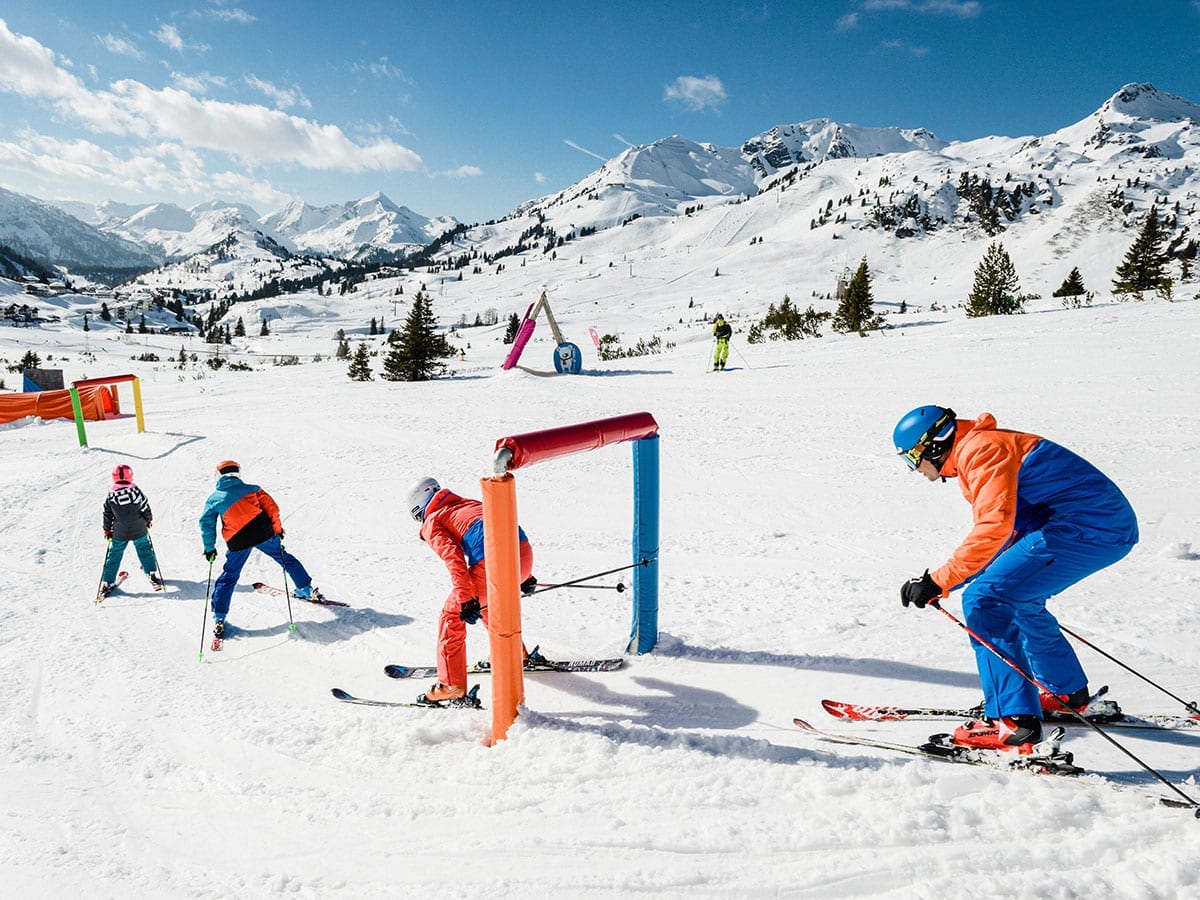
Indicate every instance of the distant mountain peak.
{"type": "Point", "coordinates": [1146, 102]}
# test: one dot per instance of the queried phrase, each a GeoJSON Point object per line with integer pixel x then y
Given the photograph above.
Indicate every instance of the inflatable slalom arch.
{"type": "Point", "coordinates": [93, 398]}
{"type": "Point", "coordinates": [500, 537]}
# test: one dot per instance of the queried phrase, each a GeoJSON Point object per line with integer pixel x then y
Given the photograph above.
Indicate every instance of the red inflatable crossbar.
{"type": "Point", "coordinates": [539, 446]}
{"type": "Point", "coordinates": [112, 379]}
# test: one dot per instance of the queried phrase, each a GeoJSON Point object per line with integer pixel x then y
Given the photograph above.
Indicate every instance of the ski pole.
{"type": "Point", "coordinates": [742, 358]}
{"type": "Point", "coordinates": [1193, 804]}
{"type": "Point", "coordinates": [286, 590]}
{"type": "Point", "coordinates": [577, 581]}
{"type": "Point", "coordinates": [618, 587]}
{"type": "Point", "coordinates": [204, 621]}
{"type": "Point", "coordinates": [100, 583]}
{"type": "Point", "coordinates": [712, 355]}
{"type": "Point", "coordinates": [1190, 707]}
{"type": "Point", "coordinates": [155, 552]}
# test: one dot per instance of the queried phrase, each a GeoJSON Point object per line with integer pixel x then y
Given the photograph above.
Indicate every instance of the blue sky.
{"type": "Point", "coordinates": [468, 109]}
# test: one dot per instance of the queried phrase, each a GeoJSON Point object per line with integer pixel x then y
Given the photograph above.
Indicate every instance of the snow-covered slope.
{"type": "Point", "coordinates": [133, 769]}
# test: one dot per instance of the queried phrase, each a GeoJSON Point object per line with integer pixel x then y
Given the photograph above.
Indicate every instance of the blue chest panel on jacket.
{"type": "Point", "coordinates": [472, 542]}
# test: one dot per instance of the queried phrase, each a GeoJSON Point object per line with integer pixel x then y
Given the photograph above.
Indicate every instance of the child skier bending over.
{"type": "Point", "coordinates": [453, 528]}
{"type": "Point", "coordinates": [127, 517]}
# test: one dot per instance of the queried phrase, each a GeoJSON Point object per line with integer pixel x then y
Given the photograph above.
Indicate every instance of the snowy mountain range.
{"type": "Point", "coordinates": [809, 183]}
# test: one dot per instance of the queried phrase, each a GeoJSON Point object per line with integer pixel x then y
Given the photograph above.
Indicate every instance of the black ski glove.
{"type": "Point", "coordinates": [919, 591]}
{"type": "Point", "coordinates": [210, 555]}
{"type": "Point", "coordinates": [470, 612]}
{"type": "Point", "coordinates": [529, 585]}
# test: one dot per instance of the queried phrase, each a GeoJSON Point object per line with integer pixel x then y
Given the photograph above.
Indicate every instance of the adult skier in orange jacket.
{"type": "Point", "coordinates": [1044, 519]}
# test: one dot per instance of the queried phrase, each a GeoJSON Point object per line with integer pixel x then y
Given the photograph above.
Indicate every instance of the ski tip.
{"type": "Point", "coordinates": [340, 694]}
{"type": "Point", "coordinates": [835, 709]}
{"type": "Point", "coordinates": [394, 671]}
{"type": "Point", "coordinates": [258, 585]}
{"type": "Point", "coordinates": [800, 723]}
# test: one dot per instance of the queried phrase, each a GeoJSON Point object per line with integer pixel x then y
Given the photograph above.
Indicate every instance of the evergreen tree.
{"type": "Point", "coordinates": [105, 312]}
{"type": "Point", "coordinates": [142, 329]}
{"type": "Point", "coordinates": [1072, 286]}
{"type": "Point", "coordinates": [1144, 267]}
{"type": "Point", "coordinates": [360, 366]}
{"type": "Point", "coordinates": [514, 325]}
{"type": "Point", "coordinates": [374, 327]}
{"type": "Point", "coordinates": [265, 330]}
{"type": "Point", "coordinates": [86, 327]}
{"type": "Point", "coordinates": [239, 330]}
{"type": "Point", "coordinates": [856, 311]}
{"type": "Point", "coordinates": [996, 291]}
{"type": "Point", "coordinates": [343, 349]}
{"type": "Point", "coordinates": [416, 357]}
{"type": "Point", "coordinates": [182, 356]}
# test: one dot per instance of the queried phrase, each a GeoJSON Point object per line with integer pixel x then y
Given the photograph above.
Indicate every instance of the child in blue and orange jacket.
{"type": "Point", "coordinates": [249, 520]}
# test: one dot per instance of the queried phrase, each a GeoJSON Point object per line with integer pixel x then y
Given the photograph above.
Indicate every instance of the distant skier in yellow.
{"type": "Point", "coordinates": [722, 331]}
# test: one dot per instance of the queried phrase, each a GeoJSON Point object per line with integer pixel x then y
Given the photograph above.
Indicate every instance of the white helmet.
{"type": "Point", "coordinates": [419, 496]}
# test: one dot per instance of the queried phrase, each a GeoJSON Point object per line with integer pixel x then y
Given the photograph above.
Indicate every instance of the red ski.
{"type": "Point", "coordinates": [120, 579]}
{"type": "Point", "coordinates": [317, 598]}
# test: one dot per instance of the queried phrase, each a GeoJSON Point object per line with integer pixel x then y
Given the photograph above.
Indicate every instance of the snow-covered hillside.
{"type": "Point", "coordinates": [133, 769]}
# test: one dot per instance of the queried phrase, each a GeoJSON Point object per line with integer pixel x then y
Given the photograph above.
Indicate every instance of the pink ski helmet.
{"type": "Point", "coordinates": [122, 474]}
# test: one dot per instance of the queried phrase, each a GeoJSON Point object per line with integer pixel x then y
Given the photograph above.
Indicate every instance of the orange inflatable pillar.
{"type": "Point", "coordinates": [500, 549]}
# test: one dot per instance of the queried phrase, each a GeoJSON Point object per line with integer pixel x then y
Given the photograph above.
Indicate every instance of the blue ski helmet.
{"type": "Point", "coordinates": [925, 433]}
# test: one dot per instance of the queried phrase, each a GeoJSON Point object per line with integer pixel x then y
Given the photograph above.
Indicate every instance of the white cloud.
{"type": "Point", "coordinates": [228, 15]}
{"type": "Point", "coordinates": [696, 93]}
{"type": "Point", "coordinates": [847, 22]}
{"type": "Point", "coordinates": [119, 45]}
{"type": "Point", "coordinates": [168, 34]}
{"type": "Point", "coordinates": [161, 169]}
{"type": "Point", "coordinates": [384, 69]}
{"type": "Point", "coordinates": [539, 177]}
{"type": "Point", "coordinates": [464, 172]}
{"type": "Point", "coordinates": [963, 9]}
{"type": "Point", "coordinates": [283, 98]}
{"type": "Point", "coordinates": [906, 48]}
{"type": "Point", "coordinates": [575, 146]}
{"type": "Point", "coordinates": [196, 84]}
{"type": "Point", "coordinates": [251, 133]}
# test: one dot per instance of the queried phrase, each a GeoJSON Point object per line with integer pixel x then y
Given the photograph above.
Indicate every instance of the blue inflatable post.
{"type": "Point", "coordinates": [644, 635]}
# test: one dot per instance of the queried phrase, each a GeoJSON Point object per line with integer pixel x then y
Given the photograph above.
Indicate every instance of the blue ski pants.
{"type": "Point", "coordinates": [1006, 606]}
{"type": "Point", "coordinates": [235, 559]}
{"type": "Point", "coordinates": [116, 550]}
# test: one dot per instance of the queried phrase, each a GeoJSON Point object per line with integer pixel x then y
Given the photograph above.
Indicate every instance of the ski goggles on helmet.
{"type": "Point", "coordinates": [938, 432]}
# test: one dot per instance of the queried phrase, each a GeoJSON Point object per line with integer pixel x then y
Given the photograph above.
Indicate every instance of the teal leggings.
{"type": "Point", "coordinates": [116, 550]}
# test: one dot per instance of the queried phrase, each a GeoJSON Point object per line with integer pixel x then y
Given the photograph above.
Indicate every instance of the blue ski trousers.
{"type": "Point", "coordinates": [235, 559]}
{"type": "Point", "coordinates": [1006, 605]}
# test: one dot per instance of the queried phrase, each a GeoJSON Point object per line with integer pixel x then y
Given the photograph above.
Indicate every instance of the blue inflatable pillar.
{"type": "Point", "coordinates": [644, 635]}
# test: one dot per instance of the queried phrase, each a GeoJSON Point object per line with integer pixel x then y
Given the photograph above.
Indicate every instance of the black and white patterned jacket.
{"type": "Point", "coordinates": [127, 512]}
